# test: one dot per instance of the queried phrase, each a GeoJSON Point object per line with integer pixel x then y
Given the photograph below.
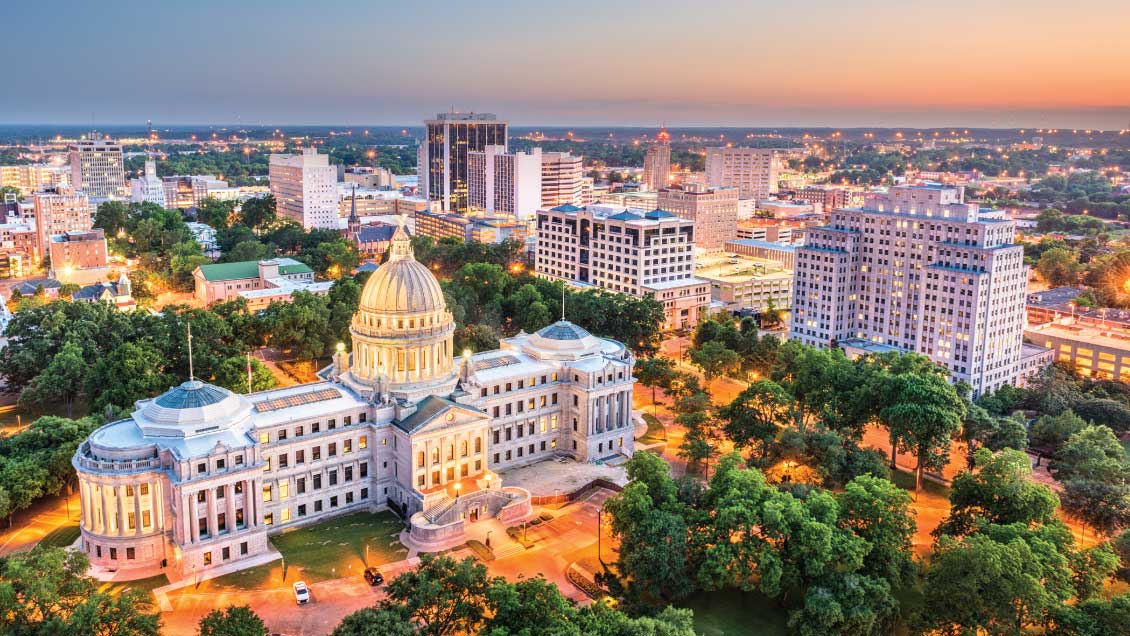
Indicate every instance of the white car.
{"type": "Point", "coordinates": [301, 593]}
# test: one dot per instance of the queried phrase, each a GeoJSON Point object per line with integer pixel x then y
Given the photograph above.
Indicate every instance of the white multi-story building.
{"type": "Point", "coordinates": [148, 188]}
{"type": "Point", "coordinates": [657, 162]}
{"type": "Point", "coordinates": [753, 171]}
{"type": "Point", "coordinates": [714, 212]}
{"type": "Point", "coordinates": [198, 477]}
{"type": "Point", "coordinates": [563, 180]}
{"type": "Point", "coordinates": [305, 188]}
{"type": "Point", "coordinates": [917, 270]}
{"type": "Point", "coordinates": [97, 168]}
{"type": "Point", "coordinates": [507, 183]}
{"type": "Point", "coordinates": [625, 251]}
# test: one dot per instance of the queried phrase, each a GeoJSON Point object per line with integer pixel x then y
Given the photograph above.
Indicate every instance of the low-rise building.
{"type": "Point", "coordinates": [1095, 350]}
{"type": "Point", "coordinates": [119, 293]}
{"type": "Point", "coordinates": [744, 283]}
{"type": "Point", "coordinates": [79, 256]}
{"type": "Point", "coordinates": [782, 253]}
{"type": "Point", "coordinates": [18, 250]}
{"type": "Point", "coordinates": [260, 282]}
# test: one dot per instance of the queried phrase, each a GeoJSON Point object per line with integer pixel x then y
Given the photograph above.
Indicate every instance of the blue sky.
{"type": "Point", "coordinates": [724, 62]}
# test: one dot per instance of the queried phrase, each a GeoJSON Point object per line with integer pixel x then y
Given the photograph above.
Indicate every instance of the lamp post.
{"type": "Point", "coordinates": [458, 486]}
{"type": "Point", "coordinates": [488, 537]}
{"type": "Point", "coordinates": [488, 480]}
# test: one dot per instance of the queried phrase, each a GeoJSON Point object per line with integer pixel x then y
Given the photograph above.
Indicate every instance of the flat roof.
{"type": "Point", "coordinates": [214, 272]}
{"type": "Point", "coordinates": [766, 244]}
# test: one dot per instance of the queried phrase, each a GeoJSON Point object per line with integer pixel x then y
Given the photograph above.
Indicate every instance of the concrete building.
{"type": "Point", "coordinates": [19, 250]}
{"type": "Point", "coordinates": [504, 183]}
{"type": "Point", "coordinates": [260, 282]}
{"type": "Point", "coordinates": [443, 155]}
{"type": "Point", "coordinates": [744, 283]}
{"type": "Point", "coordinates": [30, 178]}
{"type": "Point", "coordinates": [148, 188]}
{"type": "Point", "coordinates": [184, 192]}
{"type": "Point", "coordinates": [374, 177]}
{"type": "Point", "coordinates": [789, 210]}
{"type": "Point", "coordinates": [713, 210]}
{"type": "Point", "coordinates": [58, 213]}
{"type": "Point", "coordinates": [753, 171]}
{"type": "Point", "coordinates": [657, 162]}
{"type": "Point", "coordinates": [481, 229]}
{"type": "Point", "coordinates": [827, 198]}
{"type": "Point", "coordinates": [782, 253]}
{"type": "Point", "coordinates": [79, 256]}
{"type": "Point", "coordinates": [640, 254]}
{"type": "Point", "coordinates": [917, 270]}
{"type": "Point", "coordinates": [305, 188]}
{"type": "Point", "coordinates": [199, 477]}
{"type": "Point", "coordinates": [97, 168]}
{"type": "Point", "coordinates": [563, 180]}
{"type": "Point", "coordinates": [1094, 349]}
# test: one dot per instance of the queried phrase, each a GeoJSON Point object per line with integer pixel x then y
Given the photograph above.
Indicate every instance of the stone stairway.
{"type": "Point", "coordinates": [438, 509]}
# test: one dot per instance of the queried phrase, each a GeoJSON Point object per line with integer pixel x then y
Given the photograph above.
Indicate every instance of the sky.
{"type": "Point", "coordinates": [990, 63]}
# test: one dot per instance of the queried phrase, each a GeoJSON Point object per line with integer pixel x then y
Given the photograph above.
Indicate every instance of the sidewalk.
{"type": "Point", "coordinates": [41, 519]}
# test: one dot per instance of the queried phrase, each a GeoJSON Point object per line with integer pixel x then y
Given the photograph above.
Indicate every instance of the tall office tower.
{"type": "Point", "coordinates": [148, 188]}
{"type": "Point", "coordinates": [657, 162]}
{"type": "Point", "coordinates": [30, 178]}
{"type": "Point", "coordinates": [500, 182]}
{"type": "Point", "coordinates": [305, 188]}
{"type": "Point", "coordinates": [562, 179]}
{"type": "Point", "coordinates": [642, 254]}
{"type": "Point", "coordinates": [443, 156]}
{"type": "Point", "coordinates": [97, 168]}
{"type": "Point", "coordinates": [753, 171]}
{"type": "Point", "coordinates": [713, 210]}
{"type": "Point", "coordinates": [58, 213]}
{"type": "Point", "coordinates": [917, 270]}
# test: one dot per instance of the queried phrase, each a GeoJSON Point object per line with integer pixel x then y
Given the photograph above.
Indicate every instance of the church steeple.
{"type": "Point", "coordinates": [354, 223]}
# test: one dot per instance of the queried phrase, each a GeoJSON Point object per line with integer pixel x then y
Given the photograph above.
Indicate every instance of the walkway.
{"type": "Point", "coordinates": [44, 517]}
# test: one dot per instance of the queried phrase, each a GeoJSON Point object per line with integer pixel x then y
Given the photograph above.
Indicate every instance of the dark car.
{"type": "Point", "coordinates": [374, 576]}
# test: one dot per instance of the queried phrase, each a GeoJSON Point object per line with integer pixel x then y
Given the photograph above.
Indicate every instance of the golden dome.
{"type": "Point", "coordinates": [402, 285]}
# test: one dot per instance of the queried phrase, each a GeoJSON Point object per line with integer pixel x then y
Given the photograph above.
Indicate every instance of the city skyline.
{"type": "Point", "coordinates": [1012, 65]}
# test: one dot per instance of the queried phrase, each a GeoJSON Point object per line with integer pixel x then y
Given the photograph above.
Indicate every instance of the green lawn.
{"type": "Point", "coordinates": [332, 549]}
{"type": "Point", "coordinates": [655, 430]}
{"type": "Point", "coordinates": [737, 613]}
{"type": "Point", "coordinates": [60, 537]}
{"type": "Point", "coordinates": [144, 585]}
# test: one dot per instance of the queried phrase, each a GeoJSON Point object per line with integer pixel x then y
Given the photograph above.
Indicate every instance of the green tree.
{"type": "Point", "coordinates": [1053, 430]}
{"type": "Point", "coordinates": [132, 371]}
{"type": "Point", "coordinates": [1059, 266]}
{"type": "Point", "coordinates": [1091, 568]}
{"type": "Point", "coordinates": [112, 217]}
{"type": "Point", "coordinates": [476, 338]}
{"type": "Point", "coordinates": [1092, 453]}
{"type": "Point", "coordinates": [247, 251]}
{"type": "Point", "coordinates": [598, 619]}
{"type": "Point", "coordinates": [999, 491]}
{"type": "Point", "coordinates": [715, 359]}
{"type": "Point", "coordinates": [231, 374]}
{"type": "Point", "coordinates": [442, 595]}
{"type": "Point", "coordinates": [184, 258]}
{"type": "Point", "coordinates": [232, 621]}
{"type": "Point", "coordinates": [215, 213]}
{"type": "Point", "coordinates": [1103, 506]}
{"type": "Point", "coordinates": [63, 379]}
{"type": "Point", "coordinates": [1093, 618]}
{"type": "Point", "coordinates": [259, 212]}
{"type": "Point", "coordinates": [878, 512]}
{"type": "Point", "coordinates": [301, 326]}
{"type": "Point", "coordinates": [376, 621]}
{"type": "Point", "coordinates": [529, 607]}
{"type": "Point", "coordinates": [654, 372]}
{"type": "Point", "coordinates": [847, 605]}
{"type": "Point", "coordinates": [923, 417]}
{"type": "Point", "coordinates": [757, 414]}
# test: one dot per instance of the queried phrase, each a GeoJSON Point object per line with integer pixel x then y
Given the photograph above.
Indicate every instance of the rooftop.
{"type": "Point", "coordinates": [249, 269]}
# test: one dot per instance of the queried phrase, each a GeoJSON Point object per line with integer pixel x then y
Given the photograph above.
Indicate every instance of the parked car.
{"type": "Point", "coordinates": [301, 593]}
{"type": "Point", "coordinates": [373, 576]}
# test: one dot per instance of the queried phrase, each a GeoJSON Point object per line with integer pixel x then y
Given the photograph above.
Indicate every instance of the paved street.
{"type": "Point", "coordinates": [41, 519]}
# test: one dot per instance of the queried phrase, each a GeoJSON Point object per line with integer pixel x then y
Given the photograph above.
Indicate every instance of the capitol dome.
{"type": "Point", "coordinates": [402, 331]}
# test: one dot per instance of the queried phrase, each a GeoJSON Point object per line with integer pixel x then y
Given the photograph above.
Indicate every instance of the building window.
{"type": "Point", "coordinates": [364, 469]}
{"type": "Point", "coordinates": [318, 506]}
{"type": "Point", "coordinates": [318, 481]}
{"type": "Point", "coordinates": [201, 496]}
{"type": "Point", "coordinates": [316, 453]}
{"type": "Point", "coordinates": [284, 515]}
{"type": "Point", "coordinates": [301, 510]}
{"type": "Point", "coordinates": [281, 434]}
{"type": "Point", "coordinates": [207, 558]}
{"type": "Point", "coordinates": [300, 457]}
{"type": "Point", "coordinates": [333, 501]}
{"type": "Point", "coordinates": [284, 489]}
{"type": "Point", "coordinates": [298, 431]}
{"type": "Point", "coordinates": [331, 449]}
{"type": "Point", "coordinates": [348, 498]}
{"type": "Point", "coordinates": [269, 519]}
{"type": "Point", "coordinates": [362, 442]}
{"type": "Point", "coordinates": [348, 473]}
{"type": "Point", "coordinates": [243, 547]}
{"type": "Point", "coordinates": [201, 469]}
{"type": "Point", "coordinates": [225, 553]}
{"type": "Point", "coordinates": [347, 446]}
{"type": "Point", "coordinates": [267, 492]}
{"type": "Point", "coordinates": [364, 494]}
{"type": "Point", "coordinates": [333, 477]}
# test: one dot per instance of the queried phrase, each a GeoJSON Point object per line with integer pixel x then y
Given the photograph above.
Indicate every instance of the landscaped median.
{"type": "Point", "coordinates": [332, 549]}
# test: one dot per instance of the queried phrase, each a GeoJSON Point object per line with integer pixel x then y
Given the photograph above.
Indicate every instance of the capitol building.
{"type": "Point", "coordinates": [199, 477]}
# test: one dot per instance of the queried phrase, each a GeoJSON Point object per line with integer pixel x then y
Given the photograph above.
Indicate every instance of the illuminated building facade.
{"type": "Point", "coordinates": [443, 155]}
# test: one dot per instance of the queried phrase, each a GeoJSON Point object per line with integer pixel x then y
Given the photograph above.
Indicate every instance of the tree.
{"type": "Point", "coordinates": [45, 592]}
{"type": "Point", "coordinates": [654, 372]}
{"type": "Point", "coordinates": [924, 416]}
{"type": "Point", "coordinates": [1103, 506]}
{"type": "Point", "coordinates": [1111, 413]}
{"type": "Point", "coordinates": [1093, 618]}
{"type": "Point", "coordinates": [1092, 453]}
{"type": "Point", "coordinates": [232, 374]}
{"type": "Point", "coordinates": [301, 326]}
{"type": "Point", "coordinates": [376, 621]}
{"type": "Point", "coordinates": [848, 605]}
{"type": "Point", "coordinates": [130, 372]}
{"type": "Point", "coordinates": [215, 213]}
{"type": "Point", "coordinates": [1000, 491]}
{"type": "Point", "coordinates": [232, 621]}
{"type": "Point", "coordinates": [63, 379]}
{"type": "Point", "coordinates": [598, 619]}
{"type": "Point", "coordinates": [530, 607]}
{"type": "Point", "coordinates": [755, 416]}
{"type": "Point", "coordinates": [247, 251]}
{"type": "Point", "coordinates": [258, 212]}
{"type": "Point", "coordinates": [715, 359]}
{"type": "Point", "coordinates": [112, 217]}
{"type": "Point", "coordinates": [1091, 568]}
{"type": "Point", "coordinates": [1052, 431]}
{"type": "Point", "coordinates": [476, 338]}
{"type": "Point", "coordinates": [1059, 266]}
{"type": "Point", "coordinates": [184, 258]}
{"type": "Point", "coordinates": [878, 512]}
{"type": "Point", "coordinates": [442, 595]}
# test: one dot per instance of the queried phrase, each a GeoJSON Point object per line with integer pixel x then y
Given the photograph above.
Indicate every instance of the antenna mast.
{"type": "Point", "coordinates": [191, 375]}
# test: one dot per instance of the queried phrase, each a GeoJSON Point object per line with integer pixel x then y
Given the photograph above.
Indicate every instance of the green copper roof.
{"type": "Point", "coordinates": [249, 269]}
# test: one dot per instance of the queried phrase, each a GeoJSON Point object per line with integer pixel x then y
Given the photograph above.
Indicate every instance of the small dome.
{"type": "Point", "coordinates": [191, 394]}
{"type": "Point", "coordinates": [563, 330]}
{"type": "Point", "coordinates": [191, 409]}
{"type": "Point", "coordinates": [402, 285]}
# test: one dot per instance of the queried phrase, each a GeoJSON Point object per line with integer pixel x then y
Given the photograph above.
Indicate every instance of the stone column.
{"type": "Point", "coordinates": [84, 503]}
{"type": "Point", "coordinates": [137, 510]}
{"type": "Point", "coordinates": [194, 517]}
{"type": "Point", "coordinates": [122, 515]}
{"type": "Point", "coordinates": [256, 493]}
{"type": "Point", "coordinates": [229, 510]}
{"type": "Point", "coordinates": [157, 511]}
{"type": "Point", "coordinates": [103, 491]}
{"type": "Point", "coordinates": [185, 513]}
{"type": "Point", "coordinates": [210, 510]}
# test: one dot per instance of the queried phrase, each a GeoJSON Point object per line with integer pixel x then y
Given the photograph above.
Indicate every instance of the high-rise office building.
{"type": "Point", "coordinates": [443, 155]}
{"type": "Point", "coordinates": [626, 251]}
{"type": "Point", "coordinates": [58, 213]}
{"type": "Point", "coordinates": [753, 171]}
{"type": "Point", "coordinates": [917, 269]}
{"type": "Point", "coordinates": [508, 183]}
{"type": "Point", "coordinates": [562, 180]}
{"type": "Point", "coordinates": [657, 162]}
{"type": "Point", "coordinates": [305, 188]}
{"type": "Point", "coordinates": [97, 168]}
{"type": "Point", "coordinates": [30, 178]}
{"type": "Point", "coordinates": [713, 210]}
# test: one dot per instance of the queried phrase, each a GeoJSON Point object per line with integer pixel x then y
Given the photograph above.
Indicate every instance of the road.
{"type": "Point", "coordinates": [41, 519]}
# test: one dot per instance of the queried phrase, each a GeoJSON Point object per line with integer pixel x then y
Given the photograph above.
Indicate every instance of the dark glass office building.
{"type": "Point", "coordinates": [450, 136]}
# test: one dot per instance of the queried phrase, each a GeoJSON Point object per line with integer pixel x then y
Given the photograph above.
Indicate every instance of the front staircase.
{"type": "Point", "coordinates": [437, 510]}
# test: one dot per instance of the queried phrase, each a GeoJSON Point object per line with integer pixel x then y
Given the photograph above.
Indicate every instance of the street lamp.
{"type": "Point", "coordinates": [458, 486]}
{"type": "Point", "coordinates": [488, 537]}
{"type": "Point", "coordinates": [488, 481]}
